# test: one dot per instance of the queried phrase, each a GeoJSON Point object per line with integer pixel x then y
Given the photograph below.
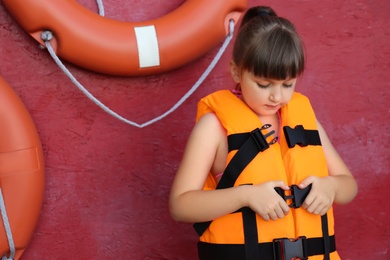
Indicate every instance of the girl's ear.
{"type": "Point", "coordinates": [235, 72]}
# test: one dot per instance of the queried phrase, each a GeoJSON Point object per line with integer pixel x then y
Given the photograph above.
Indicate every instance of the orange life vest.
{"type": "Point", "coordinates": [277, 162]}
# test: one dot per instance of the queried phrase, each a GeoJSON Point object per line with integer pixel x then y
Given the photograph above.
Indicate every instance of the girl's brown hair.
{"type": "Point", "coordinates": [268, 45]}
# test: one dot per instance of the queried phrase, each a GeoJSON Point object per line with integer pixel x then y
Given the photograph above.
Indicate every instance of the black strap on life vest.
{"type": "Point", "coordinates": [248, 146]}
{"type": "Point", "coordinates": [279, 249]}
{"type": "Point", "coordinates": [325, 235]}
{"type": "Point", "coordinates": [250, 233]}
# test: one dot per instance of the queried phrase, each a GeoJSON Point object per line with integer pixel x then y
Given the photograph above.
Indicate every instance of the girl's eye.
{"type": "Point", "coordinates": [288, 85]}
{"type": "Point", "coordinates": [263, 86]}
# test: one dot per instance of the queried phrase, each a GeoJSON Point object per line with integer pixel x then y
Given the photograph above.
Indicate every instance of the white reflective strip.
{"type": "Point", "coordinates": [149, 54]}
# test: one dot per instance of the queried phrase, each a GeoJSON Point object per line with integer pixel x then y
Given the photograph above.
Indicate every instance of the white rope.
{"type": "Point", "coordinates": [47, 36]}
{"type": "Point", "coordinates": [101, 7]}
{"type": "Point", "coordinates": [7, 228]}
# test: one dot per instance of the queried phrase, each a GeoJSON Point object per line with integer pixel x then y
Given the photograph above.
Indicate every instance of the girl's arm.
{"type": "Point", "coordinates": [339, 187]}
{"type": "Point", "coordinates": [188, 202]}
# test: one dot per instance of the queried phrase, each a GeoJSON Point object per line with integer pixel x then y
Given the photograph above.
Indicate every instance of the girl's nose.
{"type": "Point", "coordinates": [276, 94]}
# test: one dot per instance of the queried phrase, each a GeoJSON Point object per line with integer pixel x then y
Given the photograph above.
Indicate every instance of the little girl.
{"type": "Point", "coordinates": [259, 175]}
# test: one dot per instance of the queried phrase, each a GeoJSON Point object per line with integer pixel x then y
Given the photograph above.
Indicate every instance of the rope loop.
{"type": "Point", "coordinates": [47, 36]}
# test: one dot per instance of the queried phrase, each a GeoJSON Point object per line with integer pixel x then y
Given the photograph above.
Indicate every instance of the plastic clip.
{"type": "Point", "coordinates": [260, 139]}
{"type": "Point", "coordinates": [297, 196]}
{"type": "Point", "coordinates": [295, 136]}
{"type": "Point", "coordinates": [285, 248]}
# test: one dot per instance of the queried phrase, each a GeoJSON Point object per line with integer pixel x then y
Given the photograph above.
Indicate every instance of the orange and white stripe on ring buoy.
{"type": "Point", "coordinates": [104, 45]}
{"type": "Point", "coordinates": [21, 171]}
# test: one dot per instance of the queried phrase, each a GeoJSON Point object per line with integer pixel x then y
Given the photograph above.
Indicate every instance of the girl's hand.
{"type": "Point", "coordinates": [321, 196]}
{"type": "Point", "coordinates": [266, 202]}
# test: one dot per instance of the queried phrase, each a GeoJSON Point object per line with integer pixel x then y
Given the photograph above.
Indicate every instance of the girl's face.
{"type": "Point", "coordinates": [264, 96]}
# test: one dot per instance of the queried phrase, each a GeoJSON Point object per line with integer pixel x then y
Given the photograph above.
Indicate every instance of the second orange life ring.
{"type": "Point", "coordinates": [21, 171]}
{"type": "Point", "coordinates": [100, 44]}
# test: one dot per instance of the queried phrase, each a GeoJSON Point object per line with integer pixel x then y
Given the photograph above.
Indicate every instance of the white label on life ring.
{"type": "Point", "coordinates": [148, 51]}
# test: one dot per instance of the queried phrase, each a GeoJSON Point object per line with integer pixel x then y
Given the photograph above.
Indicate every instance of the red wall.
{"type": "Point", "coordinates": [107, 183]}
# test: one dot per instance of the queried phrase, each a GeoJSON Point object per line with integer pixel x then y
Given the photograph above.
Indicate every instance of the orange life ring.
{"type": "Point", "coordinates": [100, 44]}
{"type": "Point", "coordinates": [21, 170]}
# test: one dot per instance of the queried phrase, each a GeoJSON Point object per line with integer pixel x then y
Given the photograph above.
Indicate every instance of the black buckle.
{"type": "Point", "coordinates": [260, 139]}
{"type": "Point", "coordinates": [287, 249]}
{"type": "Point", "coordinates": [295, 136]}
{"type": "Point", "coordinates": [297, 196]}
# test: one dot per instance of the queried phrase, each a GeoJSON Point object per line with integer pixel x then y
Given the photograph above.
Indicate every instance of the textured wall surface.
{"type": "Point", "coordinates": [107, 183]}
